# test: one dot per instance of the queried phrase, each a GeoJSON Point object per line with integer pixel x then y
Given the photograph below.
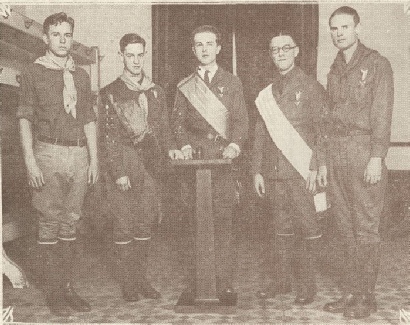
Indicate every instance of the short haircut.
{"type": "Point", "coordinates": [131, 38]}
{"type": "Point", "coordinates": [206, 29]}
{"type": "Point", "coordinates": [56, 19]}
{"type": "Point", "coordinates": [346, 10]}
{"type": "Point", "coordinates": [283, 33]}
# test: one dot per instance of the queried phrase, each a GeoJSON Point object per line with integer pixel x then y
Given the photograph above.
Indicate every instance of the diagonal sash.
{"type": "Point", "coordinates": [206, 103]}
{"type": "Point", "coordinates": [287, 139]}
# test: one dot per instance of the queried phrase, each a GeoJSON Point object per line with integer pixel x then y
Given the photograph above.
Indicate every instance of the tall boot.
{"type": "Point", "coordinates": [51, 281]}
{"type": "Point", "coordinates": [140, 263]}
{"type": "Point", "coordinates": [123, 270]}
{"type": "Point", "coordinates": [348, 280]}
{"type": "Point", "coordinates": [305, 272]}
{"type": "Point", "coordinates": [367, 271]}
{"type": "Point", "coordinates": [281, 277]}
{"type": "Point", "coordinates": [68, 254]}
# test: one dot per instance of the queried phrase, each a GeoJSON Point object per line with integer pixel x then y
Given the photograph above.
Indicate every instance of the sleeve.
{"type": "Point", "coordinates": [382, 108]}
{"type": "Point", "coordinates": [89, 113]}
{"type": "Point", "coordinates": [27, 98]}
{"type": "Point", "coordinates": [258, 146]}
{"type": "Point", "coordinates": [319, 109]}
{"type": "Point", "coordinates": [240, 120]}
{"type": "Point", "coordinates": [178, 120]}
{"type": "Point", "coordinates": [109, 129]}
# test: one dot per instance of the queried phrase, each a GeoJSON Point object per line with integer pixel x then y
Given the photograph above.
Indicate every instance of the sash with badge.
{"type": "Point", "coordinates": [205, 102]}
{"type": "Point", "coordinates": [287, 139]}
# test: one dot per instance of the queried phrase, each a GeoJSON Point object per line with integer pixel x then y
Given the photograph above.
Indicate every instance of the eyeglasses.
{"type": "Point", "coordinates": [285, 48]}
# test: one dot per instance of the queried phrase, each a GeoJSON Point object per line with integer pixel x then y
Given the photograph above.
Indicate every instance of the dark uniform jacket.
{"type": "Point", "coordinates": [191, 128]}
{"type": "Point", "coordinates": [361, 97]}
{"type": "Point", "coordinates": [302, 101]}
{"type": "Point", "coordinates": [114, 136]}
{"type": "Point", "coordinates": [42, 102]}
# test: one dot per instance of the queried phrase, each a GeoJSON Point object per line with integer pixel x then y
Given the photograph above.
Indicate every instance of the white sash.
{"type": "Point", "coordinates": [287, 139]}
{"type": "Point", "coordinates": [206, 103]}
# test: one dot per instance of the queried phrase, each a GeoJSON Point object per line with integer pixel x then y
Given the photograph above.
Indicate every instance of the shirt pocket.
{"type": "Point", "coordinates": [47, 94]}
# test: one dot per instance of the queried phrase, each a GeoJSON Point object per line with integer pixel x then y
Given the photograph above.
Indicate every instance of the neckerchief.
{"type": "Point", "coordinates": [69, 90]}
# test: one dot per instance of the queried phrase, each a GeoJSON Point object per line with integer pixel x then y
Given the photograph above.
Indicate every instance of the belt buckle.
{"type": "Point", "coordinates": [217, 137]}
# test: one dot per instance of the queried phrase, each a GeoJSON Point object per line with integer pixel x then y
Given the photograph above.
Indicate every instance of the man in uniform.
{"type": "Point", "coordinates": [288, 158]}
{"type": "Point", "coordinates": [210, 114]}
{"type": "Point", "coordinates": [56, 116]}
{"type": "Point", "coordinates": [360, 87]}
{"type": "Point", "coordinates": [135, 132]}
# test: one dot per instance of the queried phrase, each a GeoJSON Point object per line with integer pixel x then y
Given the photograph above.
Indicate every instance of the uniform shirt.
{"type": "Point", "coordinates": [42, 102]}
{"type": "Point", "coordinates": [115, 138]}
{"type": "Point", "coordinates": [361, 96]}
{"type": "Point", "coordinates": [302, 101]}
{"type": "Point", "coordinates": [190, 128]}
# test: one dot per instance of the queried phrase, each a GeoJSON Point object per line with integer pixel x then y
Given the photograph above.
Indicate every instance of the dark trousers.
{"type": "Point", "coordinates": [357, 207]}
{"type": "Point", "coordinates": [135, 210]}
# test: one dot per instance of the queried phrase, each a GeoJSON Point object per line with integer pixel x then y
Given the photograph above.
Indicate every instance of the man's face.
{"type": "Point", "coordinates": [59, 39]}
{"type": "Point", "coordinates": [205, 48]}
{"type": "Point", "coordinates": [283, 51]}
{"type": "Point", "coordinates": [343, 31]}
{"type": "Point", "coordinates": [133, 58]}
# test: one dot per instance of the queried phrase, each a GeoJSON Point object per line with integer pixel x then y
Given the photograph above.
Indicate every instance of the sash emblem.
{"type": "Point", "coordinates": [297, 97]}
{"type": "Point", "coordinates": [220, 91]}
{"type": "Point", "coordinates": [364, 75]}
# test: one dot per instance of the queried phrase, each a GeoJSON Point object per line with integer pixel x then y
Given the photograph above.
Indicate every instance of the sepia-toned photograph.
{"type": "Point", "coordinates": [205, 162]}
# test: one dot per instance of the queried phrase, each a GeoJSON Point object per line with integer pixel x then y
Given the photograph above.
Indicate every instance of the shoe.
{"type": "Point", "coordinates": [370, 299]}
{"type": "Point", "coordinates": [74, 300]}
{"type": "Point", "coordinates": [58, 305]}
{"type": "Point", "coordinates": [306, 297]}
{"type": "Point", "coordinates": [339, 305]}
{"type": "Point", "coordinates": [130, 295]}
{"type": "Point", "coordinates": [360, 309]}
{"type": "Point", "coordinates": [272, 290]}
{"type": "Point", "coordinates": [147, 291]}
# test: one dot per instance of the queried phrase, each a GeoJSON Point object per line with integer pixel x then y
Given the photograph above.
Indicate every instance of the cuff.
{"type": "Point", "coordinates": [378, 150]}
{"type": "Point", "coordinates": [235, 146]}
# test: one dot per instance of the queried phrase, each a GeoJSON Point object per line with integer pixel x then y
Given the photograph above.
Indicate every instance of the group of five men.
{"type": "Point", "coordinates": [305, 139]}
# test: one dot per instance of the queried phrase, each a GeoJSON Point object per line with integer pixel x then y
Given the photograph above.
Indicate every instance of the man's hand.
{"type": "Point", "coordinates": [373, 171]}
{"type": "Point", "coordinates": [322, 176]}
{"type": "Point", "coordinates": [175, 154]}
{"type": "Point", "coordinates": [93, 172]}
{"type": "Point", "coordinates": [311, 181]}
{"type": "Point", "coordinates": [35, 175]}
{"type": "Point", "coordinates": [259, 185]}
{"type": "Point", "coordinates": [187, 153]}
{"type": "Point", "coordinates": [123, 183]}
{"type": "Point", "coordinates": [230, 153]}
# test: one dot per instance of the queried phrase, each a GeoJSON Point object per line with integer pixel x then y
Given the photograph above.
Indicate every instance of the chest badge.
{"type": "Point", "coordinates": [297, 98]}
{"type": "Point", "coordinates": [364, 76]}
{"type": "Point", "coordinates": [155, 93]}
{"type": "Point", "coordinates": [220, 91]}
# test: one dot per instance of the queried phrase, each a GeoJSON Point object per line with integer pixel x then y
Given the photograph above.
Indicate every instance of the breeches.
{"type": "Point", "coordinates": [135, 210]}
{"type": "Point", "coordinates": [357, 205]}
{"type": "Point", "coordinates": [61, 197]}
{"type": "Point", "coordinates": [294, 208]}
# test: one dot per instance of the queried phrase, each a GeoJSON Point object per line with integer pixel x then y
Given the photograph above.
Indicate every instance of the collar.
{"type": "Point", "coordinates": [359, 54]}
{"type": "Point", "coordinates": [212, 70]}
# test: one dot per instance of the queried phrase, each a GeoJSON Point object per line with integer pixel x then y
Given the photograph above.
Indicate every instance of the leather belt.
{"type": "Point", "coordinates": [346, 132]}
{"type": "Point", "coordinates": [215, 137]}
{"type": "Point", "coordinates": [62, 142]}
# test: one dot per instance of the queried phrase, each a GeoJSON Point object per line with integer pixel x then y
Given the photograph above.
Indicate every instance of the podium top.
{"type": "Point", "coordinates": [200, 162]}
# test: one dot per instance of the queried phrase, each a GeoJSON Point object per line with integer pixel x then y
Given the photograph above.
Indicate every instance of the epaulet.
{"type": "Point", "coordinates": [185, 80]}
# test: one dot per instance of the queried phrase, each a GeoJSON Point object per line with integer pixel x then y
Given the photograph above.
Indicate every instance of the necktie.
{"type": "Point", "coordinates": [206, 77]}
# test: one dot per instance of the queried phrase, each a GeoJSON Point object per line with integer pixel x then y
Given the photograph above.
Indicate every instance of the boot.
{"type": "Point", "coordinates": [359, 309]}
{"type": "Point", "coordinates": [140, 262]}
{"type": "Point", "coordinates": [348, 281]}
{"type": "Point", "coordinates": [305, 272]}
{"type": "Point", "coordinates": [123, 271]}
{"type": "Point", "coordinates": [51, 281]}
{"type": "Point", "coordinates": [281, 283]}
{"type": "Point", "coordinates": [373, 272]}
{"type": "Point", "coordinates": [73, 299]}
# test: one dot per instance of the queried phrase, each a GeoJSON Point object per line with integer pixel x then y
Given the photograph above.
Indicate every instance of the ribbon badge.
{"type": "Point", "coordinates": [297, 97]}
{"type": "Point", "coordinates": [364, 75]}
{"type": "Point", "coordinates": [221, 91]}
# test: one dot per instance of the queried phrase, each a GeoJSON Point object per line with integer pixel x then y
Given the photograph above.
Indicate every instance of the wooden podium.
{"type": "Point", "coordinates": [204, 299]}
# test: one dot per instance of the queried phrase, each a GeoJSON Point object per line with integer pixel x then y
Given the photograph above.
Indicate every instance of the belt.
{"type": "Point", "coordinates": [215, 137]}
{"type": "Point", "coordinates": [346, 132]}
{"type": "Point", "coordinates": [62, 142]}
